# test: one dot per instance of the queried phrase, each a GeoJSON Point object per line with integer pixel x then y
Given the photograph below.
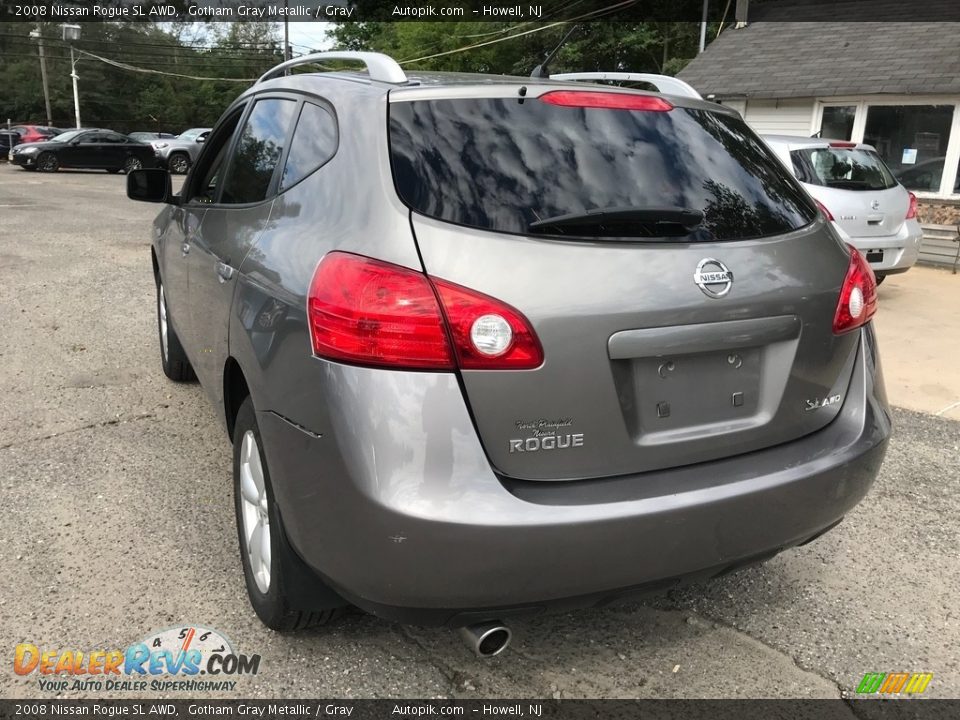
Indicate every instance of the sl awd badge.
{"type": "Point", "coordinates": [817, 403]}
{"type": "Point", "coordinates": [713, 278]}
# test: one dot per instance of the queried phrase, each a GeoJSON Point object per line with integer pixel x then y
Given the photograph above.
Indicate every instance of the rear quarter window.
{"type": "Point", "coordinates": [501, 164]}
{"type": "Point", "coordinates": [314, 143]}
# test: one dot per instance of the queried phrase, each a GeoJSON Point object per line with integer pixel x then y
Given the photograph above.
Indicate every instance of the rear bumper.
{"type": "Point", "coordinates": [900, 251]}
{"type": "Point", "coordinates": [406, 519]}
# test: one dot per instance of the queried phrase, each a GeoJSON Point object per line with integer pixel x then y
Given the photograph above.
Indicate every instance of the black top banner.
{"type": "Point", "coordinates": [81, 11]}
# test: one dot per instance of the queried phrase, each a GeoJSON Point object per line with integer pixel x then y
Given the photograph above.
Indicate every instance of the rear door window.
{"type": "Point", "coordinates": [504, 163]}
{"type": "Point", "coordinates": [843, 168]}
{"type": "Point", "coordinates": [258, 151]}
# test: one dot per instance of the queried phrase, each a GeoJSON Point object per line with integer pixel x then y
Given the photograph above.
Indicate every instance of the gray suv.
{"type": "Point", "coordinates": [487, 345]}
{"type": "Point", "coordinates": [179, 153]}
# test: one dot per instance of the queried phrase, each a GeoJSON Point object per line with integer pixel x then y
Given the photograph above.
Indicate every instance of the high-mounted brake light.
{"type": "Point", "coordinates": [858, 295]}
{"type": "Point", "coordinates": [368, 312]}
{"type": "Point", "coordinates": [912, 207]}
{"type": "Point", "coordinates": [839, 144]}
{"type": "Point", "coordinates": [823, 209]}
{"type": "Point", "coordinates": [605, 100]}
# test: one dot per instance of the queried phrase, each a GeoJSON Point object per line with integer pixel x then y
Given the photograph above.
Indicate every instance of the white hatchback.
{"type": "Point", "coordinates": [859, 195]}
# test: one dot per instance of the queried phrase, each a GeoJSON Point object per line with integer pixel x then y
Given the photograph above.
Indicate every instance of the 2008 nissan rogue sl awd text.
{"type": "Point", "coordinates": [487, 346]}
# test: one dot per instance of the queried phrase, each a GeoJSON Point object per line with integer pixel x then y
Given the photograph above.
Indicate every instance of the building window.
{"type": "Point", "coordinates": [837, 122]}
{"type": "Point", "coordinates": [912, 140]}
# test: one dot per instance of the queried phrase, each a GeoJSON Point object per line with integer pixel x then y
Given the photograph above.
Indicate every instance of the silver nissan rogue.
{"type": "Point", "coordinates": [487, 346]}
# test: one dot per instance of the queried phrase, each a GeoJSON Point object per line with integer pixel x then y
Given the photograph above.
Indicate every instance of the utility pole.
{"type": "Point", "coordinates": [703, 28]}
{"type": "Point", "coordinates": [286, 34]}
{"type": "Point", "coordinates": [71, 33]}
{"type": "Point", "coordinates": [43, 73]}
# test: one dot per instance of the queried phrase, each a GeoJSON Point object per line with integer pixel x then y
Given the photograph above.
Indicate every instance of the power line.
{"type": "Point", "coordinates": [174, 43]}
{"type": "Point", "coordinates": [601, 11]}
{"type": "Point", "coordinates": [133, 68]}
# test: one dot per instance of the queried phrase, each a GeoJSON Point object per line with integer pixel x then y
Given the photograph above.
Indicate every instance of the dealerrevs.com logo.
{"type": "Point", "coordinates": [169, 660]}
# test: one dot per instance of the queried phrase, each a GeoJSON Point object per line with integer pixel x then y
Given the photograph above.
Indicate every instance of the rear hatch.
{"type": "Point", "coordinates": [665, 342]}
{"type": "Point", "coordinates": [855, 185]}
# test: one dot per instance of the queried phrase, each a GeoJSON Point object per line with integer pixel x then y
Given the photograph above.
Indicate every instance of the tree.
{"type": "Point", "coordinates": [515, 49]}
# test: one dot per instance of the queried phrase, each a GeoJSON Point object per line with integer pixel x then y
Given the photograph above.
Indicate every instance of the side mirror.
{"type": "Point", "coordinates": [200, 139]}
{"type": "Point", "coordinates": [150, 185]}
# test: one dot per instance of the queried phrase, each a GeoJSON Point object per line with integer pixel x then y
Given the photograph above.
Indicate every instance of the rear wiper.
{"type": "Point", "coordinates": [853, 184]}
{"type": "Point", "coordinates": [623, 221]}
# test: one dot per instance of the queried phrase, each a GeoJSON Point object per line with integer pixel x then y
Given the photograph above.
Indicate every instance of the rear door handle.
{"type": "Point", "coordinates": [224, 271]}
{"type": "Point", "coordinates": [184, 248]}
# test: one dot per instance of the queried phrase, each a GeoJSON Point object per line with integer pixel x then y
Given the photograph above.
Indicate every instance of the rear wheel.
{"type": "Point", "coordinates": [179, 163]}
{"type": "Point", "coordinates": [274, 574]}
{"type": "Point", "coordinates": [131, 164]}
{"type": "Point", "coordinates": [176, 366]}
{"type": "Point", "coordinates": [47, 162]}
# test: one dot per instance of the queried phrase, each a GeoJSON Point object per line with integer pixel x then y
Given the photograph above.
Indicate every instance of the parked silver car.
{"type": "Point", "coordinates": [856, 191]}
{"type": "Point", "coordinates": [489, 345]}
{"type": "Point", "coordinates": [178, 154]}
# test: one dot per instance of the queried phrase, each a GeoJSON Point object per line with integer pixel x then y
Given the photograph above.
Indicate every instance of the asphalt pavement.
{"type": "Point", "coordinates": [118, 522]}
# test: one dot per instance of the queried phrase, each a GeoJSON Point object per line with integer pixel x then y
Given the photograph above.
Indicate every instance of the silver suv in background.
{"type": "Point", "coordinates": [489, 345]}
{"type": "Point", "coordinates": [859, 194]}
{"type": "Point", "coordinates": [179, 154]}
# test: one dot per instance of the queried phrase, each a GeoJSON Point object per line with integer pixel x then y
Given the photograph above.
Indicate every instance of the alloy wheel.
{"type": "Point", "coordinates": [162, 314]}
{"type": "Point", "coordinates": [179, 164]}
{"type": "Point", "coordinates": [255, 512]}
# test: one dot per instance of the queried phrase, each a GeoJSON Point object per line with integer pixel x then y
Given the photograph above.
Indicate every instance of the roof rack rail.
{"type": "Point", "coordinates": [663, 83]}
{"type": "Point", "coordinates": [380, 67]}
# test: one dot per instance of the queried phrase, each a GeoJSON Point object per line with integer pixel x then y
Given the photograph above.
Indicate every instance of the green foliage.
{"type": "Point", "coordinates": [637, 47]}
{"type": "Point", "coordinates": [126, 100]}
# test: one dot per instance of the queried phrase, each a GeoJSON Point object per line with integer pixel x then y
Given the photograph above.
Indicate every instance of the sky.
{"type": "Point", "coordinates": [304, 35]}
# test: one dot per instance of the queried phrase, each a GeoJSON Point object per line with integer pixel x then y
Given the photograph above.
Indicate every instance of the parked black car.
{"type": "Point", "coordinates": [8, 138]}
{"type": "Point", "coordinates": [85, 148]}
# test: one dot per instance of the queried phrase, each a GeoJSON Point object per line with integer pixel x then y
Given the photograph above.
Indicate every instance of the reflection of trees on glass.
{"type": "Point", "coordinates": [727, 213]}
{"type": "Point", "coordinates": [252, 169]}
{"type": "Point", "coordinates": [502, 164]}
{"type": "Point", "coordinates": [258, 151]}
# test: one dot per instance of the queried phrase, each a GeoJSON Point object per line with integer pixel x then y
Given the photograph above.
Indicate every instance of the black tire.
{"type": "Point", "coordinates": [173, 359]}
{"type": "Point", "coordinates": [179, 163]}
{"type": "Point", "coordinates": [131, 163]}
{"type": "Point", "coordinates": [294, 597]}
{"type": "Point", "coordinates": [880, 277]}
{"type": "Point", "coordinates": [47, 162]}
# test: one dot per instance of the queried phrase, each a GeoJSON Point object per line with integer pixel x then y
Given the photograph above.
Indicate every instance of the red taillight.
{"type": "Point", "coordinates": [823, 209]}
{"type": "Point", "coordinates": [369, 312]}
{"type": "Point", "coordinates": [912, 207]}
{"type": "Point", "coordinates": [858, 295]}
{"type": "Point", "coordinates": [374, 313]}
{"type": "Point", "coordinates": [487, 334]}
{"type": "Point", "coordinates": [606, 100]}
{"type": "Point", "coordinates": [838, 144]}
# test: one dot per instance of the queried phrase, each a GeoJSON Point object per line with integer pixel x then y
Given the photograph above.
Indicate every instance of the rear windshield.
{"type": "Point", "coordinates": [504, 163]}
{"type": "Point", "coordinates": [843, 168]}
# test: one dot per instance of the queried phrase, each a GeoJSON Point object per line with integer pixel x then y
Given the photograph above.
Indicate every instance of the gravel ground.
{"type": "Point", "coordinates": [119, 522]}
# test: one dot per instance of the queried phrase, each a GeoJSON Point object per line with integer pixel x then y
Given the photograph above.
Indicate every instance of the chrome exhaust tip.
{"type": "Point", "coordinates": [487, 639]}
